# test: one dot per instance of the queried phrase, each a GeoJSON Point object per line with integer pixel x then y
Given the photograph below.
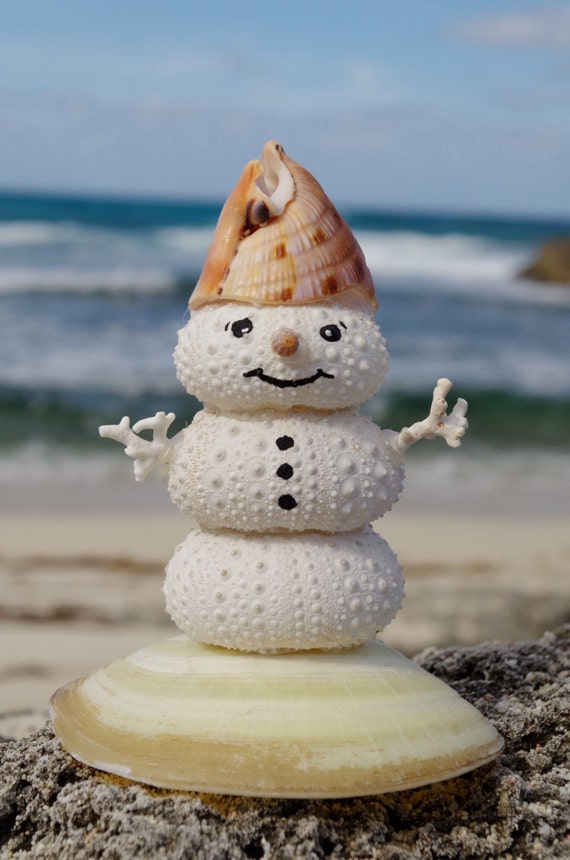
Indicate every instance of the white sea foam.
{"type": "Point", "coordinates": [455, 264]}
{"type": "Point", "coordinates": [519, 369]}
{"type": "Point", "coordinates": [58, 233]}
{"type": "Point", "coordinates": [484, 327]}
{"type": "Point", "coordinates": [18, 233]}
{"type": "Point", "coordinates": [190, 240]}
{"type": "Point", "coordinates": [111, 360]}
{"type": "Point", "coordinates": [451, 257]}
{"type": "Point", "coordinates": [21, 279]}
{"type": "Point", "coordinates": [70, 257]}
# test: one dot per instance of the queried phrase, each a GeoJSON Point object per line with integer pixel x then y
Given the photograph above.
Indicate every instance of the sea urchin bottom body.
{"type": "Point", "coordinates": [182, 715]}
{"type": "Point", "coordinates": [274, 592]}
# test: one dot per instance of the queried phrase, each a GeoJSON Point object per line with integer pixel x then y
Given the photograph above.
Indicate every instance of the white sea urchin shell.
{"type": "Point", "coordinates": [275, 472]}
{"type": "Point", "coordinates": [224, 346]}
{"type": "Point", "coordinates": [271, 593]}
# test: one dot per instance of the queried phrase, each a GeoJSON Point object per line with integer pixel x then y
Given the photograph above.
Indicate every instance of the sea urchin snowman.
{"type": "Point", "coordinates": [281, 474]}
{"type": "Point", "coordinates": [283, 478]}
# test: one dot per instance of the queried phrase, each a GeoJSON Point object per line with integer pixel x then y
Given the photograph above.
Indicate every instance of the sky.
{"type": "Point", "coordinates": [431, 105]}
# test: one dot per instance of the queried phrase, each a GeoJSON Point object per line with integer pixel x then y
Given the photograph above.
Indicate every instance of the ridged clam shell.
{"type": "Point", "coordinates": [280, 240]}
{"type": "Point", "coordinates": [182, 715]}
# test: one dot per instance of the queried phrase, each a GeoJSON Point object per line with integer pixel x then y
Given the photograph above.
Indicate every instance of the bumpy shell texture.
{"type": "Point", "coordinates": [271, 593]}
{"type": "Point", "coordinates": [240, 357]}
{"type": "Point", "coordinates": [280, 240]}
{"type": "Point", "coordinates": [269, 472]}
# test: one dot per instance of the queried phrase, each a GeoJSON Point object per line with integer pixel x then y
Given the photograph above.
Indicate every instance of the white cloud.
{"type": "Point", "coordinates": [548, 27]}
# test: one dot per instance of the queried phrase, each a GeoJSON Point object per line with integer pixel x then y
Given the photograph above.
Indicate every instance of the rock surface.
{"type": "Point", "coordinates": [552, 262]}
{"type": "Point", "coordinates": [52, 807]}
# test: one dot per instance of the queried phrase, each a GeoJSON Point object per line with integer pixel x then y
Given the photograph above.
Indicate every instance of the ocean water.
{"type": "Point", "coordinates": [93, 291]}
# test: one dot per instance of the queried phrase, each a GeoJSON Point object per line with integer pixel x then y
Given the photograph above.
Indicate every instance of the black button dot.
{"type": "Point", "coordinates": [285, 471]}
{"type": "Point", "coordinates": [287, 502]}
{"type": "Point", "coordinates": [284, 442]}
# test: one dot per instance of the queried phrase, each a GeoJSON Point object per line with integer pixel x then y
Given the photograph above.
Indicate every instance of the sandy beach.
{"type": "Point", "coordinates": [81, 578]}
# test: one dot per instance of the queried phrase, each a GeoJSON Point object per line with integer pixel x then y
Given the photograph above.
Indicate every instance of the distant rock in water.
{"type": "Point", "coordinates": [552, 262]}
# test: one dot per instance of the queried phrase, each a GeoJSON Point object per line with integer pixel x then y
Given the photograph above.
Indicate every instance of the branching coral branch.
{"type": "Point", "coordinates": [450, 427]}
{"type": "Point", "coordinates": [147, 453]}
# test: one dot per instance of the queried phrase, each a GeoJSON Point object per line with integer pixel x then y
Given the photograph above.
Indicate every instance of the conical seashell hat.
{"type": "Point", "coordinates": [280, 240]}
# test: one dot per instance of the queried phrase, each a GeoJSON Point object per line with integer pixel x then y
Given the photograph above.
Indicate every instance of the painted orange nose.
{"type": "Point", "coordinates": [285, 343]}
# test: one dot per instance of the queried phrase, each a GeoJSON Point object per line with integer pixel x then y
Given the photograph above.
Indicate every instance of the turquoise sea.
{"type": "Point", "coordinates": [93, 291]}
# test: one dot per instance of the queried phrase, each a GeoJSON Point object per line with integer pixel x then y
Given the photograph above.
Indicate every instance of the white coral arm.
{"type": "Point", "coordinates": [450, 427]}
{"type": "Point", "coordinates": [147, 453]}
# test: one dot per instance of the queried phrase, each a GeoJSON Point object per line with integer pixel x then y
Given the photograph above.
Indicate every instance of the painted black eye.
{"type": "Point", "coordinates": [330, 332]}
{"type": "Point", "coordinates": [241, 327]}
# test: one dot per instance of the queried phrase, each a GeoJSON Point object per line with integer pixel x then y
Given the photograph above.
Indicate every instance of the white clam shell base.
{"type": "Point", "coordinates": [271, 593]}
{"type": "Point", "coordinates": [184, 715]}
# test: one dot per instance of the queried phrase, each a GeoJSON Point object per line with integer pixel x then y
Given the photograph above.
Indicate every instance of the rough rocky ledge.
{"type": "Point", "coordinates": [51, 807]}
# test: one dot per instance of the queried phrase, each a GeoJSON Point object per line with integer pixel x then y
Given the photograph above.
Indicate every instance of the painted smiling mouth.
{"type": "Point", "coordinates": [287, 383]}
